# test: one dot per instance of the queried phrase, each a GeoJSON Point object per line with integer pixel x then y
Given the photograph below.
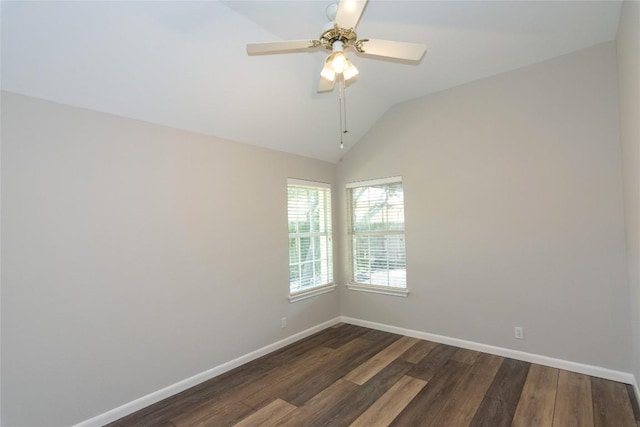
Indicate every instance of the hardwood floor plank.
{"type": "Point", "coordinates": [385, 409]}
{"type": "Point", "coordinates": [493, 413]}
{"type": "Point", "coordinates": [179, 404]}
{"type": "Point", "coordinates": [125, 423]}
{"type": "Point", "coordinates": [292, 375]}
{"type": "Point", "coordinates": [346, 334]}
{"type": "Point", "coordinates": [294, 350]}
{"type": "Point", "coordinates": [286, 354]}
{"type": "Point", "coordinates": [353, 405]}
{"type": "Point", "coordinates": [424, 408]}
{"type": "Point", "coordinates": [611, 405]}
{"type": "Point", "coordinates": [371, 367]}
{"type": "Point", "coordinates": [269, 415]}
{"type": "Point", "coordinates": [574, 406]}
{"type": "Point", "coordinates": [319, 405]}
{"type": "Point", "coordinates": [431, 363]}
{"type": "Point", "coordinates": [501, 400]}
{"type": "Point", "coordinates": [375, 335]}
{"type": "Point", "coordinates": [466, 399]}
{"type": "Point", "coordinates": [538, 398]}
{"type": "Point", "coordinates": [187, 400]}
{"type": "Point", "coordinates": [218, 413]}
{"type": "Point", "coordinates": [315, 340]}
{"type": "Point", "coordinates": [333, 368]}
{"type": "Point", "coordinates": [509, 381]}
{"type": "Point", "coordinates": [634, 402]}
{"type": "Point", "coordinates": [419, 350]}
{"type": "Point", "coordinates": [464, 355]}
{"type": "Point", "coordinates": [346, 358]}
{"type": "Point", "coordinates": [165, 423]}
{"type": "Point", "coordinates": [256, 392]}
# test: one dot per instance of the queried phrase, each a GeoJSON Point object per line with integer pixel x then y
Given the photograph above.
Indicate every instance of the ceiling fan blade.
{"type": "Point", "coordinates": [325, 85]}
{"type": "Point", "coordinates": [349, 12]}
{"type": "Point", "coordinates": [391, 49]}
{"type": "Point", "coordinates": [278, 47]}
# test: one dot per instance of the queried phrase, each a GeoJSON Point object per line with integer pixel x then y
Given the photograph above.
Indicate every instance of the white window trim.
{"type": "Point", "coordinates": [384, 290]}
{"type": "Point", "coordinates": [372, 182]}
{"type": "Point", "coordinates": [307, 183]}
{"type": "Point", "coordinates": [361, 287]}
{"type": "Point", "coordinates": [328, 287]}
{"type": "Point", "coordinates": [299, 296]}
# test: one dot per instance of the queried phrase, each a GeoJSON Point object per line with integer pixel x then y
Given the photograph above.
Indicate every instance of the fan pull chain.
{"type": "Point", "coordinates": [343, 110]}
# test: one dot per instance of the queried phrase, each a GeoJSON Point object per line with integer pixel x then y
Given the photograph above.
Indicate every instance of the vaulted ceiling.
{"type": "Point", "coordinates": [183, 64]}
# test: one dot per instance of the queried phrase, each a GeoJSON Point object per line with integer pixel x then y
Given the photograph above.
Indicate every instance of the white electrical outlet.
{"type": "Point", "coordinates": [519, 332]}
{"type": "Point", "coordinates": [283, 322]}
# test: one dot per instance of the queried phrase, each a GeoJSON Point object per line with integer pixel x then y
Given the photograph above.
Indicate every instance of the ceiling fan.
{"type": "Point", "coordinates": [339, 34]}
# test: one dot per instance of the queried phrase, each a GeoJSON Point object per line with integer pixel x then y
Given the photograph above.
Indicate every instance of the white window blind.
{"type": "Point", "coordinates": [377, 233]}
{"type": "Point", "coordinates": [310, 246]}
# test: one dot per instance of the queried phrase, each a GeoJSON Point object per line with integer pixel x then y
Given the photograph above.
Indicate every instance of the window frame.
{"type": "Point", "coordinates": [364, 287]}
{"type": "Point", "coordinates": [311, 291]}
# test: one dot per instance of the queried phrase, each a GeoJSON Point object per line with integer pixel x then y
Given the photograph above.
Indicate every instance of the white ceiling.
{"type": "Point", "coordinates": [184, 64]}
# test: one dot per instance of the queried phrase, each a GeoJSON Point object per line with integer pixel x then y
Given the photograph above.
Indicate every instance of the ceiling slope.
{"type": "Point", "coordinates": [184, 64]}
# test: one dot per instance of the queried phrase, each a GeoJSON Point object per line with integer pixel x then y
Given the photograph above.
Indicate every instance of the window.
{"type": "Point", "coordinates": [310, 249]}
{"type": "Point", "coordinates": [377, 236]}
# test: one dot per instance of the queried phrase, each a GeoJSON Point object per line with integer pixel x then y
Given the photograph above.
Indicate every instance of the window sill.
{"type": "Point", "coordinates": [299, 296]}
{"type": "Point", "coordinates": [384, 290]}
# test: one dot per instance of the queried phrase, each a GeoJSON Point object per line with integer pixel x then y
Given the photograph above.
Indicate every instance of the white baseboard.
{"type": "Point", "coordinates": [581, 368]}
{"type": "Point", "coordinates": [156, 396]}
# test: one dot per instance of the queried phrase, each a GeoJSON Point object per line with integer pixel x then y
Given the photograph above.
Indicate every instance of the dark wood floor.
{"type": "Point", "coordinates": [353, 376]}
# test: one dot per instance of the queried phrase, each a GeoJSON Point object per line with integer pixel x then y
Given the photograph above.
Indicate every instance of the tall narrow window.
{"type": "Point", "coordinates": [377, 236]}
{"type": "Point", "coordinates": [310, 249]}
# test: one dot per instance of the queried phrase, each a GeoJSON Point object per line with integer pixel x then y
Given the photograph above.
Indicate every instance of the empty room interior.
{"type": "Point", "coordinates": [316, 213]}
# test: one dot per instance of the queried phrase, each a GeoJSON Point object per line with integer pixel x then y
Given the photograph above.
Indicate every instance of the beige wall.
{"type": "Point", "coordinates": [628, 45]}
{"type": "Point", "coordinates": [135, 256]}
{"type": "Point", "coordinates": [131, 258]}
{"type": "Point", "coordinates": [514, 213]}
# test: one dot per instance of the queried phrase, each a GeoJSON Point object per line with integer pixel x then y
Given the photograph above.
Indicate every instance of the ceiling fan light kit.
{"type": "Point", "coordinates": [339, 34]}
{"type": "Point", "coordinates": [338, 63]}
{"type": "Point", "coordinates": [350, 70]}
{"type": "Point", "coordinates": [328, 73]}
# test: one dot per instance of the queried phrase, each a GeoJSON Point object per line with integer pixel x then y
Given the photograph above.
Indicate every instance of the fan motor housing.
{"type": "Point", "coordinates": [348, 37]}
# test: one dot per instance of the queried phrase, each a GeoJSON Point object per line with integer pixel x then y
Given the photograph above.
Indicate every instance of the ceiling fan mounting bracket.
{"type": "Point", "coordinates": [348, 37]}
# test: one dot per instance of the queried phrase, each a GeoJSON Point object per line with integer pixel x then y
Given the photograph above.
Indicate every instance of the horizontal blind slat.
{"type": "Point", "coordinates": [310, 251]}
{"type": "Point", "coordinates": [377, 227]}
